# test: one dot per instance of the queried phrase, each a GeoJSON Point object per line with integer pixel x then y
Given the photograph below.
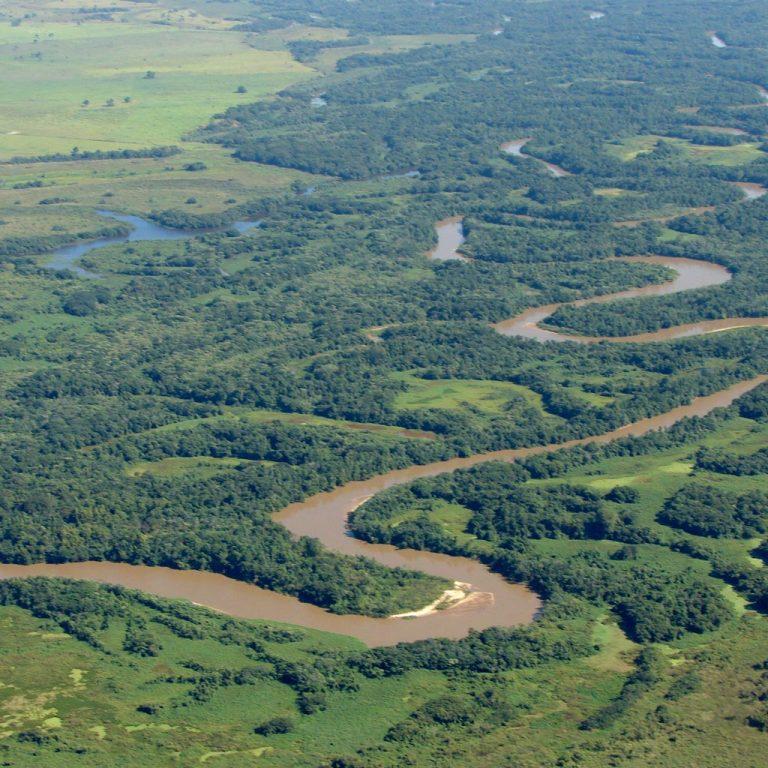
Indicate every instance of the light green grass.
{"type": "Point", "coordinates": [63, 64]}
{"type": "Point", "coordinates": [658, 476]}
{"type": "Point", "coordinates": [614, 647]}
{"type": "Point", "coordinates": [262, 416]}
{"type": "Point", "coordinates": [176, 466]}
{"type": "Point", "coordinates": [629, 148]}
{"type": "Point", "coordinates": [737, 154]}
{"type": "Point", "coordinates": [456, 394]}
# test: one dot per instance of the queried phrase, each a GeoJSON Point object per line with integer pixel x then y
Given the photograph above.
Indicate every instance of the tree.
{"type": "Point", "coordinates": [275, 725]}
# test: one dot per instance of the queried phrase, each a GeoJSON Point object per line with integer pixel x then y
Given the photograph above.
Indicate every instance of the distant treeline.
{"type": "Point", "coordinates": [306, 50]}
{"type": "Point", "coordinates": [22, 246]}
{"type": "Point", "coordinates": [96, 154]}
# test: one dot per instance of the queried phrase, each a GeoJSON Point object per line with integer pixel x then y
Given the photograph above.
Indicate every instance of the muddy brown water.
{"type": "Point", "coordinates": [450, 236]}
{"type": "Point", "coordinates": [498, 602]}
{"type": "Point", "coordinates": [691, 274]}
{"type": "Point", "coordinates": [751, 190]}
{"type": "Point", "coordinates": [494, 601]}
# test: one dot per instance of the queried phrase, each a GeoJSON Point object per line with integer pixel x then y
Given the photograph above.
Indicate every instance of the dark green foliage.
{"type": "Point", "coordinates": [686, 683]}
{"type": "Point", "coordinates": [755, 404]}
{"type": "Point", "coordinates": [86, 302]}
{"type": "Point", "coordinates": [623, 494]}
{"type": "Point", "coordinates": [98, 154]}
{"type": "Point", "coordinates": [708, 511]}
{"type": "Point", "coordinates": [274, 726]}
{"type": "Point", "coordinates": [732, 464]}
{"type": "Point", "coordinates": [139, 641]}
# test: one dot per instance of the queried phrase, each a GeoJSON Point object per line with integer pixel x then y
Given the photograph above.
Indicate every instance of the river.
{"type": "Point", "coordinates": [497, 602]}
{"type": "Point", "coordinates": [492, 600]}
{"type": "Point", "coordinates": [515, 148]}
{"type": "Point", "coordinates": [141, 229]}
{"type": "Point", "coordinates": [691, 274]}
{"type": "Point", "coordinates": [450, 236]}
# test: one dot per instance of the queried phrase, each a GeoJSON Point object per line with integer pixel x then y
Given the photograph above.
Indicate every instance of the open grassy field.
{"type": "Point", "coordinates": [460, 394]}
{"type": "Point", "coordinates": [129, 85]}
{"type": "Point", "coordinates": [113, 707]}
{"type": "Point", "coordinates": [737, 154]}
{"type": "Point", "coordinates": [92, 699]}
{"type": "Point", "coordinates": [196, 74]}
{"type": "Point", "coordinates": [176, 466]}
{"type": "Point", "coordinates": [135, 185]}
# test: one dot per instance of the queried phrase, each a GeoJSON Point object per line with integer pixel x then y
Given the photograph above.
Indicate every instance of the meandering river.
{"type": "Point", "coordinates": [492, 600]}
{"type": "Point", "coordinates": [497, 602]}
{"type": "Point", "coordinates": [141, 229]}
{"type": "Point", "coordinates": [691, 274]}
{"type": "Point", "coordinates": [515, 148]}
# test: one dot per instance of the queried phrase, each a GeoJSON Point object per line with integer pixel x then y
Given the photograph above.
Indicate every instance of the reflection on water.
{"type": "Point", "coordinates": [141, 229]}
{"type": "Point", "coordinates": [450, 236]}
{"type": "Point", "coordinates": [718, 42]}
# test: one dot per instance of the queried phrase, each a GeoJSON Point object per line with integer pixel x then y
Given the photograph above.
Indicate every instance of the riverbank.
{"type": "Point", "coordinates": [324, 517]}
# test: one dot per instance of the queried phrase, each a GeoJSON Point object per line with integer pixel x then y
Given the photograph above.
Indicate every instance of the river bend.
{"type": "Point", "coordinates": [495, 601]}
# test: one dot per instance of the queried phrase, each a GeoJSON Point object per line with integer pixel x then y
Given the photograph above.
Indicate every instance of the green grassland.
{"type": "Point", "coordinates": [134, 186]}
{"type": "Point", "coordinates": [197, 73]}
{"type": "Point", "coordinates": [199, 466]}
{"type": "Point", "coordinates": [737, 154]}
{"type": "Point", "coordinates": [90, 698]}
{"type": "Point", "coordinates": [263, 415]}
{"type": "Point", "coordinates": [658, 476]}
{"type": "Point", "coordinates": [112, 707]}
{"type": "Point", "coordinates": [489, 397]}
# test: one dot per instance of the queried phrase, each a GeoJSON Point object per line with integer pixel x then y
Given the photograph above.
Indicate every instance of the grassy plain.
{"type": "Point", "coordinates": [75, 694]}
{"type": "Point", "coordinates": [736, 154]}
{"type": "Point", "coordinates": [460, 394]}
{"type": "Point", "coordinates": [88, 707]}
{"type": "Point", "coordinates": [197, 73]}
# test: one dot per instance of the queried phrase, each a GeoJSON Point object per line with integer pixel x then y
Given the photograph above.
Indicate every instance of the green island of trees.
{"type": "Point", "coordinates": [282, 332]}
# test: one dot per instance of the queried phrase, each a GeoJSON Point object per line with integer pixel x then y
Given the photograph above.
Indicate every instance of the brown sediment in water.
{"type": "Point", "coordinates": [751, 190]}
{"type": "Point", "coordinates": [324, 517]}
{"type": "Point", "coordinates": [450, 237]}
{"type": "Point", "coordinates": [487, 599]}
{"type": "Point", "coordinates": [691, 274]}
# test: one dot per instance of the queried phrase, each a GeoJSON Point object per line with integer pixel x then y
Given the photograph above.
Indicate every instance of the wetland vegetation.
{"type": "Point", "coordinates": [189, 394]}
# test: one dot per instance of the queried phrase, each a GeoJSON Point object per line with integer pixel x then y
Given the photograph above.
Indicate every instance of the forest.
{"type": "Point", "coordinates": [283, 332]}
